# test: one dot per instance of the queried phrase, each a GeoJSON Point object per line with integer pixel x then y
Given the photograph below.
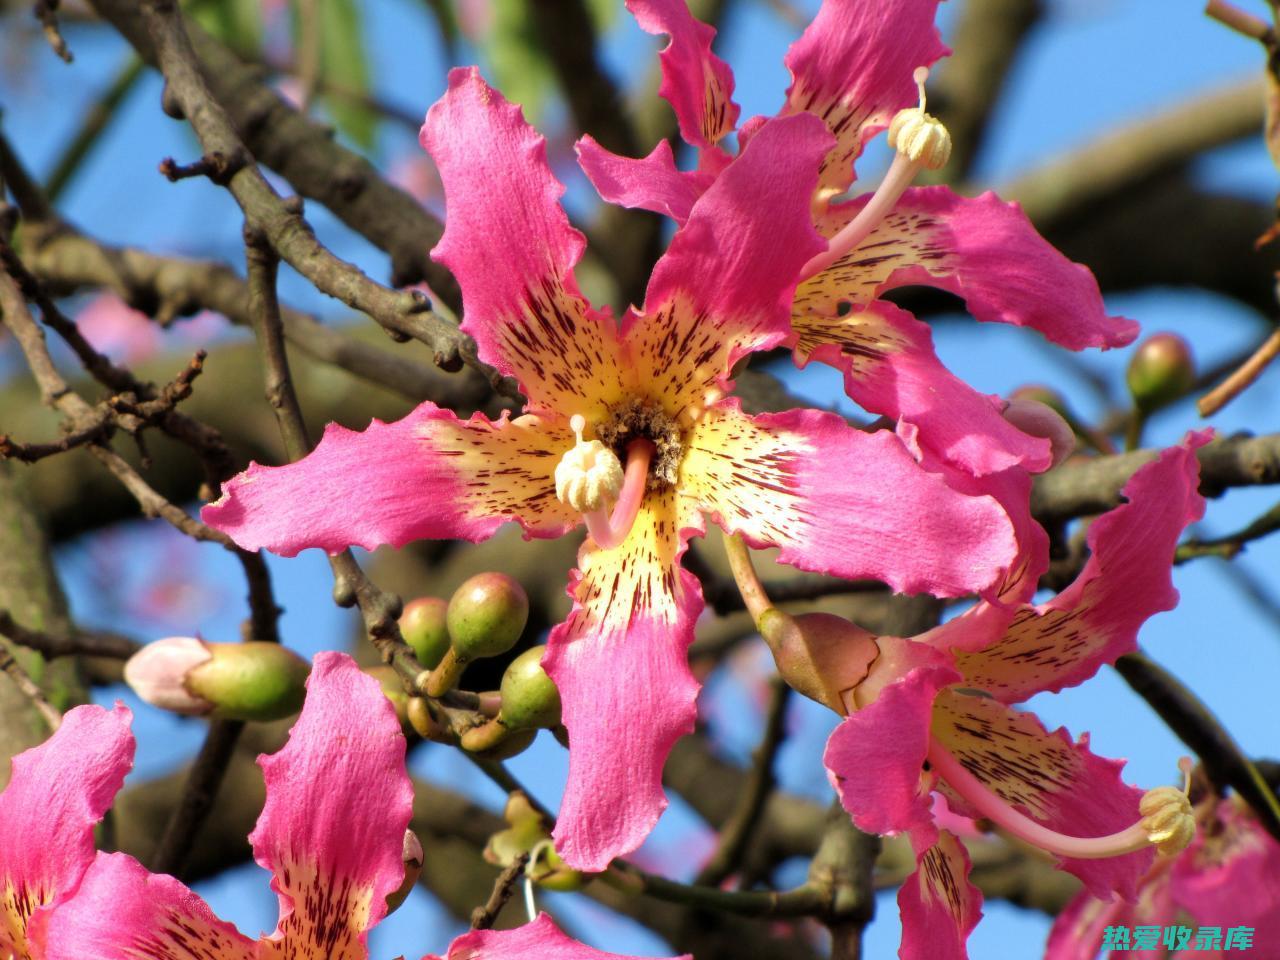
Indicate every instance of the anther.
{"type": "Point", "coordinates": [589, 475]}
{"type": "Point", "coordinates": [919, 137]}
{"type": "Point", "coordinates": [921, 141]}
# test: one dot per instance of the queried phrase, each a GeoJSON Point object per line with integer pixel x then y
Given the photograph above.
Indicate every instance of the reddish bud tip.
{"type": "Point", "coordinates": [158, 674]}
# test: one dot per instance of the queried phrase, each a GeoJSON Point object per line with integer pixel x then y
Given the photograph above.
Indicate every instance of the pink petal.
{"type": "Point", "coordinates": [540, 939]}
{"type": "Point", "coordinates": [338, 804]}
{"type": "Point", "coordinates": [1077, 931]}
{"type": "Point", "coordinates": [625, 686]}
{"type": "Point", "coordinates": [1125, 582]}
{"type": "Point", "coordinates": [1056, 782]}
{"type": "Point", "coordinates": [875, 758]}
{"type": "Point", "coordinates": [56, 794]}
{"type": "Point", "coordinates": [979, 248]}
{"type": "Point", "coordinates": [853, 67]}
{"type": "Point", "coordinates": [1231, 877]}
{"type": "Point", "coordinates": [123, 910]}
{"type": "Point", "coordinates": [653, 183]}
{"type": "Point", "coordinates": [429, 475]}
{"type": "Point", "coordinates": [724, 286]}
{"type": "Point", "coordinates": [890, 367]}
{"type": "Point", "coordinates": [512, 249]}
{"type": "Point", "coordinates": [841, 501]}
{"type": "Point", "coordinates": [939, 906]}
{"type": "Point", "coordinates": [697, 83]}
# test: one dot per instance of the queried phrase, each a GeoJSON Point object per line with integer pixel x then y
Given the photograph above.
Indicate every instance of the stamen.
{"type": "Point", "coordinates": [609, 530]}
{"type": "Point", "coordinates": [589, 474]}
{"type": "Point", "coordinates": [921, 142]}
{"type": "Point", "coordinates": [1167, 822]}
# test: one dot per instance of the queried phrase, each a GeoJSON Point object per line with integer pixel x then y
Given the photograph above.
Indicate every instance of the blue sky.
{"type": "Point", "coordinates": [1092, 64]}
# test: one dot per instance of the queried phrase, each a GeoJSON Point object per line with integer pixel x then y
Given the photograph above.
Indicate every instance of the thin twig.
{"type": "Point", "coordinates": [89, 643]}
{"type": "Point", "coordinates": [198, 795]}
{"type": "Point", "coordinates": [738, 830]}
{"type": "Point", "coordinates": [46, 11]}
{"type": "Point", "coordinates": [29, 688]}
{"type": "Point", "coordinates": [1241, 379]}
{"type": "Point", "coordinates": [1230, 545]}
{"type": "Point", "coordinates": [1240, 21]}
{"type": "Point", "coordinates": [482, 918]}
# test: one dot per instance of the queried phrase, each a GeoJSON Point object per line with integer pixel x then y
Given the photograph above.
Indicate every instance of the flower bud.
{"type": "Point", "coordinates": [1161, 371]}
{"type": "Point", "coordinates": [426, 724]}
{"type": "Point", "coordinates": [256, 680]}
{"type": "Point", "coordinates": [529, 697]}
{"type": "Point", "coordinates": [1041, 420]}
{"type": "Point", "coordinates": [412, 856]}
{"type": "Point", "coordinates": [529, 832]}
{"type": "Point", "coordinates": [486, 616]}
{"type": "Point", "coordinates": [819, 655]}
{"type": "Point", "coordinates": [515, 742]}
{"type": "Point", "coordinates": [1040, 393]}
{"type": "Point", "coordinates": [422, 625]}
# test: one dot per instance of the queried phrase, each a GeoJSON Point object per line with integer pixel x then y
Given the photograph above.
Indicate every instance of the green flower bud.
{"type": "Point", "coordinates": [1161, 371]}
{"type": "Point", "coordinates": [232, 681]}
{"type": "Point", "coordinates": [529, 696]}
{"type": "Point", "coordinates": [516, 742]}
{"type": "Point", "coordinates": [251, 681]}
{"type": "Point", "coordinates": [422, 624]}
{"type": "Point", "coordinates": [486, 616]}
{"type": "Point", "coordinates": [1050, 397]}
{"type": "Point", "coordinates": [529, 832]}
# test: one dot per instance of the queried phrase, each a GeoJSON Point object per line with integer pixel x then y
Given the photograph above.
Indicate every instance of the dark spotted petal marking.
{"type": "Point", "coordinates": [510, 245]}
{"type": "Point", "coordinates": [939, 906]}
{"type": "Point", "coordinates": [1055, 781]}
{"type": "Point", "coordinates": [124, 912]}
{"type": "Point", "coordinates": [697, 83]}
{"type": "Point", "coordinates": [979, 248]}
{"type": "Point", "coordinates": [621, 665]}
{"type": "Point", "coordinates": [429, 475]}
{"type": "Point", "coordinates": [841, 501]}
{"type": "Point", "coordinates": [1125, 582]}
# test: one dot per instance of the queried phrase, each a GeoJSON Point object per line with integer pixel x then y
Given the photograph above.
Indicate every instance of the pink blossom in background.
{"type": "Point", "coordinates": [130, 337]}
{"type": "Point", "coordinates": [1228, 877]}
{"type": "Point", "coordinates": [853, 67]}
{"type": "Point", "coordinates": [56, 794]}
{"type": "Point", "coordinates": [332, 834]}
{"type": "Point", "coordinates": [835, 499]}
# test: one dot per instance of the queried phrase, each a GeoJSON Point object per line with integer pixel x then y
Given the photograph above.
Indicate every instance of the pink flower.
{"type": "Point", "coordinates": [854, 68]}
{"type": "Point", "coordinates": [941, 702]}
{"type": "Point", "coordinates": [56, 793]}
{"type": "Point", "coordinates": [332, 833]}
{"type": "Point", "coordinates": [1229, 877]}
{"type": "Point", "coordinates": [647, 393]}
